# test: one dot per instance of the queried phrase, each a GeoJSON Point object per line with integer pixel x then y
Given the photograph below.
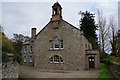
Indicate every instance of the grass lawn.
{"type": "Point", "coordinates": [105, 71]}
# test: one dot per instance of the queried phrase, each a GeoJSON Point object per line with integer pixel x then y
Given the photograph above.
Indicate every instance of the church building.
{"type": "Point", "coordinates": [59, 46]}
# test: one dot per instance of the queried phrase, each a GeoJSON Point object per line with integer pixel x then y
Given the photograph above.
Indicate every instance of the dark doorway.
{"type": "Point", "coordinates": [91, 62]}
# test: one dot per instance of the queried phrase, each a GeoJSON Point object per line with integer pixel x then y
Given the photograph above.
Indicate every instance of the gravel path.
{"type": "Point", "coordinates": [32, 72]}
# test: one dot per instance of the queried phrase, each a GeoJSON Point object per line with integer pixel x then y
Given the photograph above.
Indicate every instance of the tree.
{"type": "Point", "coordinates": [116, 44]}
{"type": "Point", "coordinates": [17, 42]}
{"type": "Point", "coordinates": [103, 28]}
{"type": "Point", "coordinates": [87, 24]}
{"type": "Point", "coordinates": [17, 45]}
{"type": "Point", "coordinates": [112, 26]}
{"type": "Point", "coordinates": [7, 45]}
{"type": "Point", "coordinates": [0, 43]}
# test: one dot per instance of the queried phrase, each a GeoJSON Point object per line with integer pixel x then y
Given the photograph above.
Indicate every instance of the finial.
{"type": "Point", "coordinates": [56, 1]}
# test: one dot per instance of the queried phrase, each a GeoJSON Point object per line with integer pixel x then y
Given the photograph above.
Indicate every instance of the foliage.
{"type": "Point", "coordinates": [87, 24]}
{"type": "Point", "coordinates": [17, 42]}
{"type": "Point", "coordinates": [18, 39]}
{"type": "Point", "coordinates": [116, 45]}
{"type": "Point", "coordinates": [105, 72]}
{"type": "Point", "coordinates": [13, 46]}
{"type": "Point", "coordinates": [103, 55]}
{"type": "Point", "coordinates": [7, 45]}
{"type": "Point", "coordinates": [4, 57]}
{"type": "Point", "coordinates": [17, 57]}
{"type": "Point", "coordinates": [110, 59]}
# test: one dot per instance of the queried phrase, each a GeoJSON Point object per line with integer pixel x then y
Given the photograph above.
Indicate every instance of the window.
{"type": "Point", "coordinates": [88, 47]}
{"type": "Point", "coordinates": [56, 59]}
{"type": "Point", "coordinates": [25, 48]}
{"type": "Point", "coordinates": [85, 45]}
{"type": "Point", "coordinates": [61, 60]}
{"type": "Point", "coordinates": [30, 48]}
{"type": "Point", "coordinates": [92, 59]}
{"type": "Point", "coordinates": [55, 11]}
{"type": "Point", "coordinates": [51, 60]}
{"type": "Point", "coordinates": [56, 42]}
{"type": "Point", "coordinates": [61, 43]}
{"type": "Point", "coordinates": [24, 58]}
{"type": "Point", "coordinates": [51, 44]}
{"type": "Point", "coordinates": [30, 58]}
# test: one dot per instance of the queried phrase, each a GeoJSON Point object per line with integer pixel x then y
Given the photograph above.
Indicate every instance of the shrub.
{"type": "Point", "coordinates": [4, 57]}
{"type": "Point", "coordinates": [110, 60]}
{"type": "Point", "coordinates": [17, 58]}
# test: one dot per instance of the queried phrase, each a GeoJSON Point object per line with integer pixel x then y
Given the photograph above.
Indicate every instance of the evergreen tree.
{"type": "Point", "coordinates": [87, 25]}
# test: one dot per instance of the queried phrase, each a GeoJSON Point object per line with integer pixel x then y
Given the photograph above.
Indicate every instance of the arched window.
{"type": "Point", "coordinates": [30, 48]}
{"type": "Point", "coordinates": [51, 60]}
{"type": "Point", "coordinates": [56, 42]}
{"type": "Point", "coordinates": [55, 11]}
{"type": "Point", "coordinates": [56, 59]}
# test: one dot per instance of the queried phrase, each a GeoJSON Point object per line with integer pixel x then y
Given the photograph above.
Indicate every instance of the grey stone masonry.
{"type": "Point", "coordinates": [10, 69]}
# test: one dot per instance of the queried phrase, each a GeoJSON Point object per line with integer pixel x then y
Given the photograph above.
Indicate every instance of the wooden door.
{"type": "Point", "coordinates": [91, 62]}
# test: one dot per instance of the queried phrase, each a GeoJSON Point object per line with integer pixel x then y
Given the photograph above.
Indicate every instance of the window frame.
{"type": "Point", "coordinates": [56, 44]}
{"type": "Point", "coordinates": [25, 59]}
{"type": "Point", "coordinates": [51, 60]}
{"type": "Point", "coordinates": [25, 49]}
{"type": "Point", "coordinates": [56, 59]}
{"type": "Point", "coordinates": [61, 44]}
{"type": "Point", "coordinates": [31, 60]}
{"type": "Point", "coordinates": [31, 49]}
{"type": "Point", "coordinates": [51, 44]}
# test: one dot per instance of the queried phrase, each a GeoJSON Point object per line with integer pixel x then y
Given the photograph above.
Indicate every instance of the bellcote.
{"type": "Point", "coordinates": [56, 12]}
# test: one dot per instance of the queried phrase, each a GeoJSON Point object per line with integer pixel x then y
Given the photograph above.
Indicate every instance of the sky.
{"type": "Point", "coordinates": [18, 16]}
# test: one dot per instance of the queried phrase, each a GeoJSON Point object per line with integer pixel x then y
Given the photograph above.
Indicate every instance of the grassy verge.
{"type": "Point", "coordinates": [105, 71]}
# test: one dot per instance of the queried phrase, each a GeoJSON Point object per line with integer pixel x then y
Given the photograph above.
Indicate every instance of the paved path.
{"type": "Point", "coordinates": [32, 72]}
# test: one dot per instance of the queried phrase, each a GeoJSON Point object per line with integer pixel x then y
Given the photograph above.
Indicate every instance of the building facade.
{"type": "Point", "coordinates": [59, 46]}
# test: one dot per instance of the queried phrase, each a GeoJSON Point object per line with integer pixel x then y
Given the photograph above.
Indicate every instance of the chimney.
{"type": "Point", "coordinates": [33, 32]}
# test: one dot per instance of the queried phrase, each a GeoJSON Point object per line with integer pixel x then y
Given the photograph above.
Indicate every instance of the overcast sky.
{"type": "Point", "coordinates": [20, 17]}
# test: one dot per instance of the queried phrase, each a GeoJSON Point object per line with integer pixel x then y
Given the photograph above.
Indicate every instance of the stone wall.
{"type": "Point", "coordinates": [10, 70]}
{"type": "Point", "coordinates": [115, 69]}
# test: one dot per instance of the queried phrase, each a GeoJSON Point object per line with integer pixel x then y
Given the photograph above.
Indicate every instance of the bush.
{"type": "Point", "coordinates": [110, 60]}
{"type": "Point", "coordinates": [4, 57]}
{"type": "Point", "coordinates": [17, 58]}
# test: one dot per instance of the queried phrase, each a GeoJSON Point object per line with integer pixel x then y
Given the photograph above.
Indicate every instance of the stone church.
{"type": "Point", "coordinates": [59, 46]}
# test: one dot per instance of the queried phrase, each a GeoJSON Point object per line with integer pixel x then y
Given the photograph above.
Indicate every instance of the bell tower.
{"type": "Point", "coordinates": [56, 14]}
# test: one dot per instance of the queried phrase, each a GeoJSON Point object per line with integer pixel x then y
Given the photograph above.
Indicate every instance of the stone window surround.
{"type": "Point", "coordinates": [30, 59]}
{"type": "Point", "coordinates": [25, 49]}
{"type": "Point", "coordinates": [52, 44]}
{"type": "Point", "coordinates": [25, 59]}
{"type": "Point", "coordinates": [31, 49]}
{"type": "Point", "coordinates": [57, 61]}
